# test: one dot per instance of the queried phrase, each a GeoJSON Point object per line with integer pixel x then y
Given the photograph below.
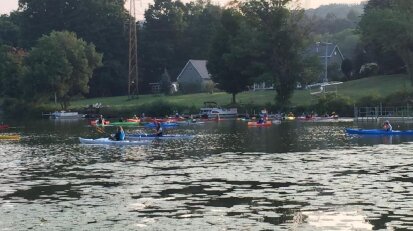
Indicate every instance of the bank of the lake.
{"type": "Point", "coordinates": [361, 91]}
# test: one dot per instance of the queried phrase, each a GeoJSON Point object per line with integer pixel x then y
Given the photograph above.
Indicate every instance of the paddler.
{"type": "Point", "coordinates": [158, 129]}
{"type": "Point", "coordinates": [387, 126]}
{"type": "Point", "coordinates": [119, 135]}
{"type": "Point", "coordinates": [101, 120]}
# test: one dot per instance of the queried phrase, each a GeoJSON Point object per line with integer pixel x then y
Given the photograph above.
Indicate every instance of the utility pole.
{"type": "Point", "coordinates": [326, 44]}
{"type": "Point", "coordinates": [133, 53]}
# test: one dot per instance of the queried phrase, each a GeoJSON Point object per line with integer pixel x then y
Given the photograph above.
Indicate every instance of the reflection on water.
{"type": "Point", "coordinates": [293, 176]}
{"type": "Point", "coordinates": [342, 220]}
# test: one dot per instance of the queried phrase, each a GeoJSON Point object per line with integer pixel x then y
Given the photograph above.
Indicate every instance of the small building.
{"type": "Point", "coordinates": [194, 77]}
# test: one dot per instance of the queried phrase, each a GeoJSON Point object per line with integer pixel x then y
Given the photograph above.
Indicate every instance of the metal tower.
{"type": "Point", "coordinates": [133, 52]}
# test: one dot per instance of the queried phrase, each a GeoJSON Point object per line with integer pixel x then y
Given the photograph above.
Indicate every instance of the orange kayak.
{"type": "Point", "coordinates": [255, 124]}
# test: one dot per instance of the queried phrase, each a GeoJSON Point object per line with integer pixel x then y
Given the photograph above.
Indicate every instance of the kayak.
{"type": "Point", "coordinates": [124, 123]}
{"type": "Point", "coordinates": [94, 123]}
{"type": "Point", "coordinates": [133, 120]}
{"type": "Point", "coordinates": [153, 136]}
{"type": "Point", "coordinates": [290, 118]}
{"type": "Point", "coordinates": [189, 122]}
{"type": "Point", "coordinates": [107, 141]}
{"type": "Point", "coordinates": [164, 125]}
{"type": "Point", "coordinates": [256, 124]}
{"type": "Point", "coordinates": [378, 132]}
{"type": "Point", "coordinates": [9, 137]}
{"type": "Point", "coordinates": [4, 126]}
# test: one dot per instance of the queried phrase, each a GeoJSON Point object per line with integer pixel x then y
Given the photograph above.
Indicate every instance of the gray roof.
{"type": "Point", "coordinates": [200, 67]}
{"type": "Point", "coordinates": [320, 50]}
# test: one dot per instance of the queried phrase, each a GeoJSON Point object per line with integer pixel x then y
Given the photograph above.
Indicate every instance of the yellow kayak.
{"type": "Point", "coordinates": [290, 118]}
{"type": "Point", "coordinates": [9, 137]}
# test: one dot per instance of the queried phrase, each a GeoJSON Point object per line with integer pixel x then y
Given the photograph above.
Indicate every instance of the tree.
{"type": "Point", "coordinates": [9, 31]}
{"type": "Point", "coordinates": [61, 66]}
{"type": "Point", "coordinates": [203, 19]}
{"type": "Point", "coordinates": [281, 40]}
{"type": "Point", "coordinates": [390, 27]}
{"type": "Point", "coordinates": [101, 22]}
{"type": "Point", "coordinates": [162, 40]}
{"type": "Point", "coordinates": [166, 82]}
{"type": "Point", "coordinates": [230, 60]}
{"type": "Point", "coordinates": [12, 70]}
{"type": "Point", "coordinates": [311, 71]}
{"type": "Point", "coordinates": [347, 68]}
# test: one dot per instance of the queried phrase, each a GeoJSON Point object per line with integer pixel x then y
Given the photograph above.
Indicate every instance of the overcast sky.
{"type": "Point", "coordinates": [8, 5]}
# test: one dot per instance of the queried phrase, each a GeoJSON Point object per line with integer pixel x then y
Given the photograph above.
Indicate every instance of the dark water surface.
{"type": "Point", "coordinates": [293, 176]}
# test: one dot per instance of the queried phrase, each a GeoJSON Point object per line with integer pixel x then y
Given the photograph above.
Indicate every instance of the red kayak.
{"type": "Point", "coordinates": [94, 122]}
{"type": "Point", "coordinates": [3, 126]}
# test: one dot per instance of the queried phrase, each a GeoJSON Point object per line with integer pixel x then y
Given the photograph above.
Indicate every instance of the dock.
{"type": "Point", "coordinates": [401, 114]}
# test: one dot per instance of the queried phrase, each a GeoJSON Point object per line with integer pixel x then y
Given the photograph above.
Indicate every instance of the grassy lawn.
{"type": "Point", "coordinates": [378, 85]}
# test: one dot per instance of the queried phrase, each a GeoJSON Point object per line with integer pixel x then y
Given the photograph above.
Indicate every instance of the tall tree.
{"type": "Point", "coordinates": [61, 66]}
{"type": "Point", "coordinates": [231, 59]}
{"type": "Point", "coordinates": [9, 31]}
{"type": "Point", "coordinates": [101, 22]}
{"type": "Point", "coordinates": [12, 70]}
{"type": "Point", "coordinates": [280, 34]}
{"type": "Point", "coordinates": [161, 43]}
{"type": "Point", "coordinates": [203, 20]}
{"type": "Point", "coordinates": [347, 68]}
{"type": "Point", "coordinates": [390, 27]}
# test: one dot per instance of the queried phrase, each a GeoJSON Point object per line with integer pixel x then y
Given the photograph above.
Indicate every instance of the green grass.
{"type": "Point", "coordinates": [379, 86]}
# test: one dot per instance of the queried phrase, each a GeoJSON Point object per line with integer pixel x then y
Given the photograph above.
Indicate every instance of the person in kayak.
{"type": "Point", "coordinates": [158, 129]}
{"type": "Point", "coordinates": [261, 120]}
{"type": "Point", "coordinates": [119, 135]}
{"type": "Point", "coordinates": [387, 126]}
{"type": "Point", "coordinates": [101, 120]}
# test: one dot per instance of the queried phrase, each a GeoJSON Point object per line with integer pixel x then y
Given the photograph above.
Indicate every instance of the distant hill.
{"type": "Point", "coordinates": [339, 10]}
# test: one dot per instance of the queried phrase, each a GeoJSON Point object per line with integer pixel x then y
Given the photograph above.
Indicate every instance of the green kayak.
{"type": "Point", "coordinates": [124, 123]}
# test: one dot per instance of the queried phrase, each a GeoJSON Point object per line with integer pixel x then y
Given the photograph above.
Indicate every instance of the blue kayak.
{"type": "Point", "coordinates": [107, 141]}
{"type": "Point", "coordinates": [164, 125]}
{"type": "Point", "coordinates": [153, 136]}
{"type": "Point", "coordinates": [378, 132]}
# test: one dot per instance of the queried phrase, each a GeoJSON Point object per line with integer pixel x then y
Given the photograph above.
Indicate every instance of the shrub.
{"type": "Point", "coordinates": [329, 103]}
{"type": "Point", "coordinates": [399, 98]}
{"type": "Point", "coordinates": [369, 69]}
{"type": "Point", "coordinates": [369, 101]}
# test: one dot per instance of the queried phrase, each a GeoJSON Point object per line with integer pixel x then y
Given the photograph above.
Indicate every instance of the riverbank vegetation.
{"type": "Point", "coordinates": [388, 90]}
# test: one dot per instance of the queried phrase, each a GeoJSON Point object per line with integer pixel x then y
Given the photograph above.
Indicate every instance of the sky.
{"type": "Point", "coordinates": [9, 5]}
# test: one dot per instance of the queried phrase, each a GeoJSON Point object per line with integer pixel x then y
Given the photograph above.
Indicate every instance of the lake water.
{"type": "Point", "coordinates": [292, 176]}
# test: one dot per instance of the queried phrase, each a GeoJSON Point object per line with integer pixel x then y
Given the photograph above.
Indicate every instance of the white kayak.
{"type": "Point", "coordinates": [153, 137]}
{"type": "Point", "coordinates": [107, 141]}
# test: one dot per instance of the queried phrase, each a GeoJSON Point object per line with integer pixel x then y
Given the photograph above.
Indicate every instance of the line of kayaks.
{"type": "Point", "coordinates": [146, 124]}
{"type": "Point", "coordinates": [356, 131]}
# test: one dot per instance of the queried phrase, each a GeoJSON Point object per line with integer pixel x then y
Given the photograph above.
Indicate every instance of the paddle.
{"type": "Point", "coordinates": [100, 130]}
